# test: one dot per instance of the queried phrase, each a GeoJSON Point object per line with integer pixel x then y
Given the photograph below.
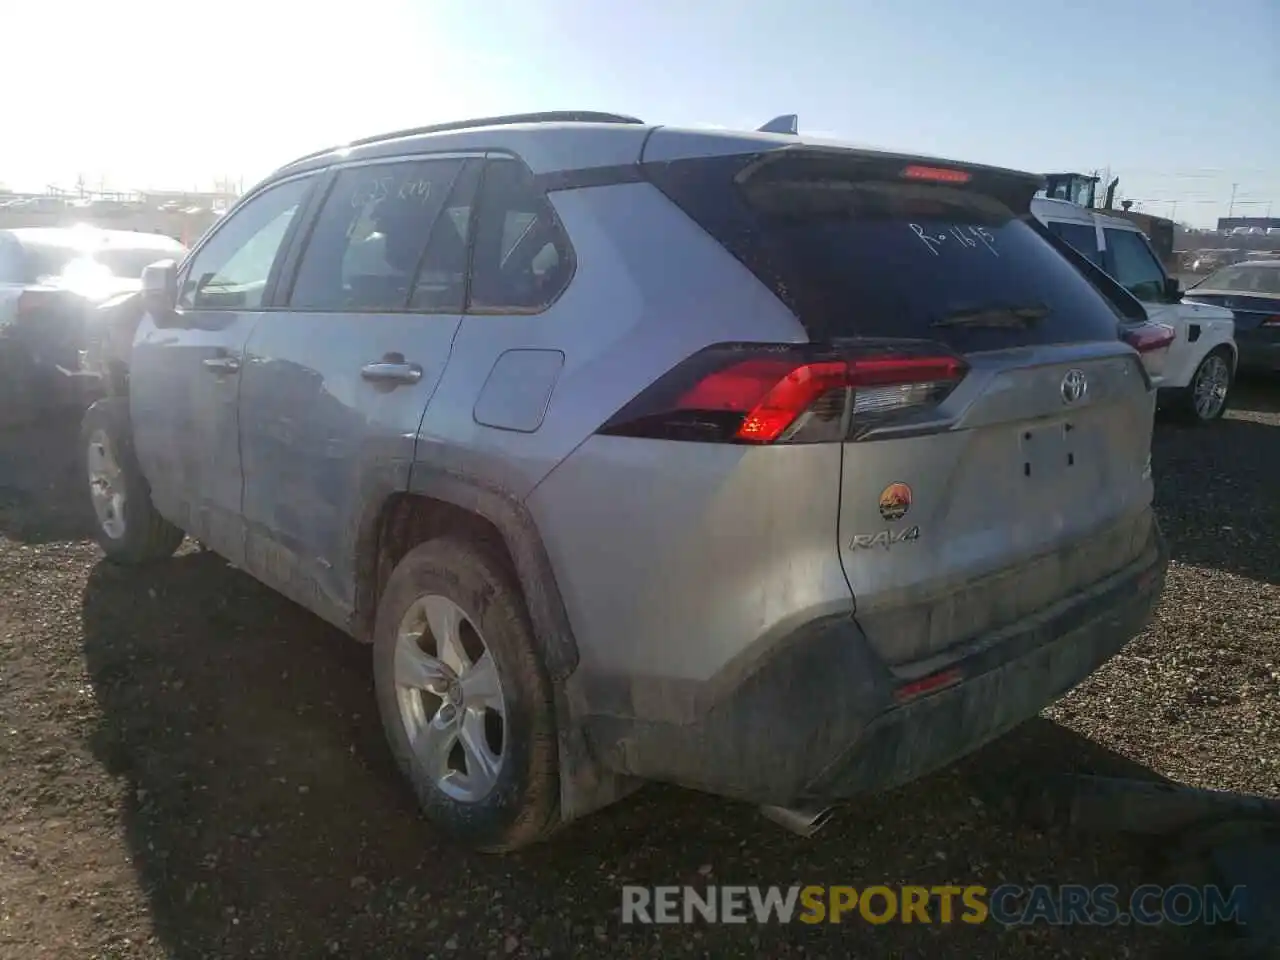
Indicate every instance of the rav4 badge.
{"type": "Point", "coordinates": [885, 538]}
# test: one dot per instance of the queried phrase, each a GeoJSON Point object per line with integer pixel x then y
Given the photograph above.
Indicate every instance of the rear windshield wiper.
{"type": "Point", "coordinates": [995, 316]}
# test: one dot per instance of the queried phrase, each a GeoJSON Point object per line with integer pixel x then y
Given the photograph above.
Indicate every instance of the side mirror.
{"type": "Point", "coordinates": [160, 291]}
{"type": "Point", "coordinates": [1172, 289]}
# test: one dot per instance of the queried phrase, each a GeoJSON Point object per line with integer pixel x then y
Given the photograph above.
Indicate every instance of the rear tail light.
{"type": "Point", "coordinates": [755, 394]}
{"type": "Point", "coordinates": [1150, 336]}
{"type": "Point", "coordinates": [1271, 321]}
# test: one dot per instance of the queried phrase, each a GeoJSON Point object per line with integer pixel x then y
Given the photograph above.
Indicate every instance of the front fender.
{"type": "Point", "coordinates": [112, 326]}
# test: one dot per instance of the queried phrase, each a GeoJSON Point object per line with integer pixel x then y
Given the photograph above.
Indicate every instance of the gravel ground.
{"type": "Point", "coordinates": [191, 766]}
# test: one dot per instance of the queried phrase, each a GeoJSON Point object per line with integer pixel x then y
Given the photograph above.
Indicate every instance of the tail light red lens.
{"type": "Point", "coordinates": [762, 394]}
{"type": "Point", "coordinates": [1272, 321]}
{"type": "Point", "coordinates": [935, 174]}
{"type": "Point", "coordinates": [1150, 336]}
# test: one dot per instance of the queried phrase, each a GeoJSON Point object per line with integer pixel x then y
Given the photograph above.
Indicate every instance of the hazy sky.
{"type": "Point", "coordinates": [1180, 98]}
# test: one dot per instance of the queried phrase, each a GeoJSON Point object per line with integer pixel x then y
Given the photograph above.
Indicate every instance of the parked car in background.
{"type": "Point", "coordinates": [1200, 365]}
{"type": "Point", "coordinates": [50, 281]}
{"type": "Point", "coordinates": [1251, 290]}
{"type": "Point", "coordinates": [779, 469]}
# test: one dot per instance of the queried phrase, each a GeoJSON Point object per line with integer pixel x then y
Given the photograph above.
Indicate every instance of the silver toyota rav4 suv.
{"type": "Point", "coordinates": [775, 468]}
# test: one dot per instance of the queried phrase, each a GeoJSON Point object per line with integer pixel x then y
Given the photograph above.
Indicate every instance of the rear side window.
{"type": "Point", "coordinates": [369, 238]}
{"type": "Point", "coordinates": [1083, 238]}
{"type": "Point", "coordinates": [441, 285]}
{"type": "Point", "coordinates": [522, 259]}
{"type": "Point", "coordinates": [1134, 266]}
{"type": "Point", "coordinates": [869, 256]}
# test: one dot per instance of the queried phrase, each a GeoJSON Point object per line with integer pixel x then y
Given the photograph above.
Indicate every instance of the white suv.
{"type": "Point", "coordinates": [1201, 361]}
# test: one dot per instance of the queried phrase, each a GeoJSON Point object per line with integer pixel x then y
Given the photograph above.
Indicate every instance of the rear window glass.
{"type": "Point", "coordinates": [47, 261]}
{"type": "Point", "coordinates": [1244, 280]}
{"type": "Point", "coordinates": [888, 258]}
{"type": "Point", "coordinates": [125, 262]}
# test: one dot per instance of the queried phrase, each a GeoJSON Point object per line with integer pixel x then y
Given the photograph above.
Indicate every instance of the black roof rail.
{"type": "Point", "coordinates": [548, 116]}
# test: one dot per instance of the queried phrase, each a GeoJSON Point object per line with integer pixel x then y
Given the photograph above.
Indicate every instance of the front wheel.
{"type": "Point", "coordinates": [465, 701]}
{"type": "Point", "coordinates": [1205, 398]}
{"type": "Point", "coordinates": [126, 525]}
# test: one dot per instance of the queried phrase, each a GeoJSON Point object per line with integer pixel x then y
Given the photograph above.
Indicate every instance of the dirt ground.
{"type": "Point", "coordinates": [191, 766]}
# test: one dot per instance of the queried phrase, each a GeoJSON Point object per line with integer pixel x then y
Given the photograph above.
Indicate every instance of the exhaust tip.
{"type": "Point", "coordinates": [804, 823]}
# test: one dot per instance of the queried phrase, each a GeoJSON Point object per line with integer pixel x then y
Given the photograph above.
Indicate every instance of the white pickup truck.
{"type": "Point", "coordinates": [1201, 362]}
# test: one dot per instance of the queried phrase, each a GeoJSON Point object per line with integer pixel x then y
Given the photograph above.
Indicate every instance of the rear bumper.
{"type": "Point", "coordinates": [817, 720]}
{"type": "Point", "coordinates": [1259, 349]}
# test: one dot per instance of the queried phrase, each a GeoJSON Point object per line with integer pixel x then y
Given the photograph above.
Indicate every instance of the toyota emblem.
{"type": "Point", "coordinates": [1074, 386]}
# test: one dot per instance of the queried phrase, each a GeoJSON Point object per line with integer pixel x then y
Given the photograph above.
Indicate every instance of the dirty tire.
{"type": "Point", "coordinates": [147, 536]}
{"type": "Point", "coordinates": [1185, 406]}
{"type": "Point", "coordinates": [523, 805]}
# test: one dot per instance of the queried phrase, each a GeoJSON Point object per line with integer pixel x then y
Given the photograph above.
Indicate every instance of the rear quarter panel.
{"type": "Point", "coordinates": [650, 288]}
{"type": "Point", "coordinates": [671, 557]}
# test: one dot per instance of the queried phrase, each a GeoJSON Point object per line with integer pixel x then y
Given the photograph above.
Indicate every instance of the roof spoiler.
{"type": "Point", "coordinates": [788, 123]}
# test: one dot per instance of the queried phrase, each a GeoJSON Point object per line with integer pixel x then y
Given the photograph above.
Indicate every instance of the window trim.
{"type": "Point", "coordinates": [540, 187]}
{"type": "Point", "coordinates": [289, 274]}
{"type": "Point", "coordinates": [282, 253]}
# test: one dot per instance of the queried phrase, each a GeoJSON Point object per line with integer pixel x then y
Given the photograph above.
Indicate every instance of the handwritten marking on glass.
{"type": "Point", "coordinates": [419, 190]}
{"type": "Point", "coordinates": [953, 237]}
{"type": "Point", "coordinates": [369, 192]}
{"type": "Point", "coordinates": [381, 188]}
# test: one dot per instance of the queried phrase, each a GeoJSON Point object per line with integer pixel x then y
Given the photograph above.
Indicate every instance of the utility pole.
{"type": "Point", "coordinates": [1231, 207]}
{"type": "Point", "coordinates": [1173, 214]}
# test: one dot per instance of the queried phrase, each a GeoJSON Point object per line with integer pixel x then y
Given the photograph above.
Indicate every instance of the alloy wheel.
{"type": "Point", "coordinates": [450, 698]}
{"type": "Point", "coordinates": [106, 485]}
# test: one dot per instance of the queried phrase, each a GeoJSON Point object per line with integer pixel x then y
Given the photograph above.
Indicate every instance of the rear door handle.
{"type": "Point", "coordinates": [222, 364]}
{"type": "Point", "coordinates": [387, 371]}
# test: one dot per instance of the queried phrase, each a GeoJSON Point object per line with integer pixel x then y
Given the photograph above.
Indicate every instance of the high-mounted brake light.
{"type": "Point", "coordinates": [935, 174]}
{"type": "Point", "coordinates": [761, 395]}
{"type": "Point", "coordinates": [1151, 336]}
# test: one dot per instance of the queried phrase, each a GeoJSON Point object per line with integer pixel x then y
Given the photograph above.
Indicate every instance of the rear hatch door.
{"type": "Point", "coordinates": [967, 508]}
